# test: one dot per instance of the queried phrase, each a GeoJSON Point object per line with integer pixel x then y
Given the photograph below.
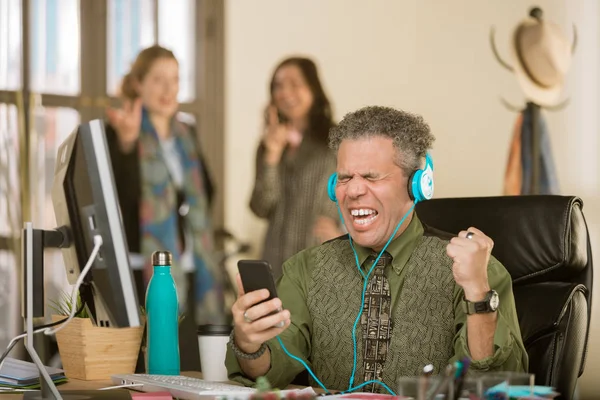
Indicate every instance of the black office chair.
{"type": "Point", "coordinates": [543, 242]}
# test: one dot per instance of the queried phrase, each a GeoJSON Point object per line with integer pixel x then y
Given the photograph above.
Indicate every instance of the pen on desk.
{"type": "Point", "coordinates": [424, 381]}
{"type": "Point", "coordinates": [460, 377]}
{"type": "Point", "coordinates": [443, 383]}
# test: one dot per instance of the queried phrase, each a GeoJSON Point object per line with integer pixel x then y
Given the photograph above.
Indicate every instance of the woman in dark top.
{"type": "Point", "coordinates": [293, 164]}
{"type": "Point", "coordinates": [164, 188]}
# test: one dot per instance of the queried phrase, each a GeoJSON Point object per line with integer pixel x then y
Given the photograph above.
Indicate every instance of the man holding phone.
{"type": "Point", "coordinates": [390, 297]}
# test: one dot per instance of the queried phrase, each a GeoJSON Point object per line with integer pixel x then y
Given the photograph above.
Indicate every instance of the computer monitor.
{"type": "Point", "coordinates": [85, 204]}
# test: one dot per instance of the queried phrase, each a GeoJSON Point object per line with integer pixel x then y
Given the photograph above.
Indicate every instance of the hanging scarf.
{"type": "Point", "coordinates": [159, 218]}
{"type": "Point", "coordinates": [518, 176]}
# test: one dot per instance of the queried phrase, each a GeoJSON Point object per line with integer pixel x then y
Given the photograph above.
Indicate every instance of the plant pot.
{"type": "Point", "coordinates": [90, 353]}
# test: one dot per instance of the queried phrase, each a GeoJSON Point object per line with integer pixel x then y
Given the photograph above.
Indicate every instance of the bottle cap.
{"type": "Point", "coordinates": [162, 258]}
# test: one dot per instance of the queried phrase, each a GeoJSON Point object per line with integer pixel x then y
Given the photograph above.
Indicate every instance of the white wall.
{"type": "Point", "coordinates": [426, 56]}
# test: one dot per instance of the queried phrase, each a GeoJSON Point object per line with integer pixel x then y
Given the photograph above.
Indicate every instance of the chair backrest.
{"type": "Point", "coordinates": [543, 242]}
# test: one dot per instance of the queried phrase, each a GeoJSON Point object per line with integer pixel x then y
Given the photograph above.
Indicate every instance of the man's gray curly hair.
{"type": "Point", "coordinates": [410, 133]}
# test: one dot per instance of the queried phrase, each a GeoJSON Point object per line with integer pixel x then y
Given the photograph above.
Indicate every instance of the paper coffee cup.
{"type": "Point", "coordinates": [212, 343]}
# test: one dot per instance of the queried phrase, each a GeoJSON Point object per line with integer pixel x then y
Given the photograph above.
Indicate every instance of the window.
{"type": "Point", "coordinates": [130, 29]}
{"type": "Point", "coordinates": [177, 32]}
{"type": "Point", "coordinates": [55, 49]}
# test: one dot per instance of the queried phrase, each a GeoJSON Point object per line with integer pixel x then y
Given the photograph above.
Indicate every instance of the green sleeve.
{"type": "Point", "coordinates": [291, 289]}
{"type": "Point", "coordinates": [509, 351]}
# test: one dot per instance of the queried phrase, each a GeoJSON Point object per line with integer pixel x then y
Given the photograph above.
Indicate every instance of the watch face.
{"type": "Point", "coordinates": [494, 301]}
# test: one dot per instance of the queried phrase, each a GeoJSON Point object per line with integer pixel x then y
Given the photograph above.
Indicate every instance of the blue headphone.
{"type": "Point", "coordinates": [420, 183]}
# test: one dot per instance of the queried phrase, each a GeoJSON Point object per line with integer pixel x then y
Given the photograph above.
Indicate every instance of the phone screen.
{"type": "Point", "coordinates": [280, 117]}
{"type": "Point", "coordinates": [256, 275]}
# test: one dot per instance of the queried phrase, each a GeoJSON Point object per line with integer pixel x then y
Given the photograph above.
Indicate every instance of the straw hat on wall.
{"type": "Point", "coordinates": [541, 57]}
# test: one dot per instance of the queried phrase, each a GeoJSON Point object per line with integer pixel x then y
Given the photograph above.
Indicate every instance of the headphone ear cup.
{"type": "Point", "coordinates": [426, 185]}
{"type": "Point", "coordinates": [411, 179]}
{"type": "Point", "coordinates": [414, 190]}
{"type": "Point", "coordinates": [331, 184]}
{"type": "Point", "coordinates": [420, 184]}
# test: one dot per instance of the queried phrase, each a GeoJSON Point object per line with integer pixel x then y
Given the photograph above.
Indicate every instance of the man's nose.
{"type": "Point", "coordinates": [356, 188]}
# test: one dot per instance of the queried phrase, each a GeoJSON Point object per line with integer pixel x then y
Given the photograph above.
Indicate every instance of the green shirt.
{"type": "Point", "coordinates": [305, 336]}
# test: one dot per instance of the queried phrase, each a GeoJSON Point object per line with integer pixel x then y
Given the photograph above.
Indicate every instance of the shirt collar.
{"type": "Point", "coordinates": [400, 248]}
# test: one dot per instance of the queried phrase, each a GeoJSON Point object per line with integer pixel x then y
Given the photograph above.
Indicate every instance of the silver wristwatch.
{"type": "Point", "coordinates": [487, 305]}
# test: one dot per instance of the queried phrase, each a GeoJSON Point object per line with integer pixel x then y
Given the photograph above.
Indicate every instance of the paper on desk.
{"type": "Point", "coordinates": [16, 372]}
{"type": "Point", "coordinates": [306, 391]}
{"type": "Point", "coordinates": [282, 393]}
{"type": "Point", "coordinates": [7, 388]}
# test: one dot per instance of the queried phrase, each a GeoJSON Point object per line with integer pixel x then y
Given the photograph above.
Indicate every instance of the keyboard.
{"type": "Point", "coordinates": [183, 387]}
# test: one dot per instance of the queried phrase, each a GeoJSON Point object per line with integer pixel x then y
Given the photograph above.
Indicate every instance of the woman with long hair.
{"type": "Point", "coordinates": [164, 188]}
{"type": "Point", "coordinates": [293, 163]}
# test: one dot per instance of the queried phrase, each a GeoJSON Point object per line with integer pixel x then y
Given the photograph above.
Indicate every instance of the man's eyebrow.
{"type": "Point", "coordinates": [370, 175]}
{"type": "Point", "coordinates": [366, 175]}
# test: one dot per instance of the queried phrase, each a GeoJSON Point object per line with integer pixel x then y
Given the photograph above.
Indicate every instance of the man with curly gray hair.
{"type": "Point", "coordinates": [419, 298]}
{"type": "Point", "coordinates": [410, 133]}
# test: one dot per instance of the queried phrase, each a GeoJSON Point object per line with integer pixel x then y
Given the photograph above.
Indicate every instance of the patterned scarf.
{"type": "Point", "coordinates": [518, 176]}
{"type": "Point", "coordinates": [159, 218]}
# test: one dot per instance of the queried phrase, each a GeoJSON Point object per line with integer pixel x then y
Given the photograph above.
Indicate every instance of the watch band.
{"type": "Point", "coordinates": [242, 354]}
{"type": "Point", "coordinates": [481, 307]}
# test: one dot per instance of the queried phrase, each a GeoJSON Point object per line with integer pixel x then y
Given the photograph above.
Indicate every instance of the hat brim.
{"type": "Point", "coordinates": [533, 92]}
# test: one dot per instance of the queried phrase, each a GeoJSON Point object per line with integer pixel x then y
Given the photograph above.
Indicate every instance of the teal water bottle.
{"type": "Point", "coordinates": [162, 318]}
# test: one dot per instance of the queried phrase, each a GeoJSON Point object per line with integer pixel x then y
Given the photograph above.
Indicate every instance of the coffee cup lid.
{"type": "Point", "coordinates": [214, 330]}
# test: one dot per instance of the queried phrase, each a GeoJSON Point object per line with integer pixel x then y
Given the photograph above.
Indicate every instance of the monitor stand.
{"type": "Point", "coordinates": [48, 388]}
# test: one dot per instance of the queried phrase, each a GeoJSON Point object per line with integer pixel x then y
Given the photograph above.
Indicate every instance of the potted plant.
{"type": "Point", "coordinates": [89, 352]}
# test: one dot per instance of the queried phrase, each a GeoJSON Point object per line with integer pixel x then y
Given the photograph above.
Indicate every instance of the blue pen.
{"type": "Point", "coordinates": [459, 377]}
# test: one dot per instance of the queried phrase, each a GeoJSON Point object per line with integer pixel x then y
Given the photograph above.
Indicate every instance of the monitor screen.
{"type": "Point", "coordinates": [85, 200]}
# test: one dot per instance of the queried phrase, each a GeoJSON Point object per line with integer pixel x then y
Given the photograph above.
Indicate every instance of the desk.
{"type": "Point", "coordinates": [76, 384]}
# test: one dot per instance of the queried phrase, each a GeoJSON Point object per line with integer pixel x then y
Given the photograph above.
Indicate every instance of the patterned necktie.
{"type": "Point", "coordinates": [376, 321]}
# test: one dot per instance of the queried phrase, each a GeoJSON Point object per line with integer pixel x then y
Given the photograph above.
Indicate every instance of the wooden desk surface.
{"type": "Point", "coordinates": [76, 384]}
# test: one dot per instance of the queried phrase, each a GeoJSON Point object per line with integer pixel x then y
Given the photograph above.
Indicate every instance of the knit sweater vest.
{"type": "Point", "coordinates": [422, 321]}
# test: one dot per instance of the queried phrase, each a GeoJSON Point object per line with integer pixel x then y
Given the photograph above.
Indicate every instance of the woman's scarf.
{"type": "Point", "coordinates": [159, 218]}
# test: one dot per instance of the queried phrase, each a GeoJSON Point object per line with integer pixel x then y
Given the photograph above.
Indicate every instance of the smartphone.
{"type": "Point", "coordinates": [256, 275]}
{"type": "Point", "coordinates": [280, 117]}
